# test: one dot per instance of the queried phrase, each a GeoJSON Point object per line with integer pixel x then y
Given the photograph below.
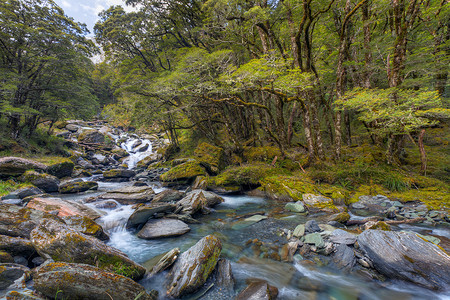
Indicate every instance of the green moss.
{"type": "Point", "coordinates": [53, 160]}
{"type": "Point", "coordinates": [245, 175]}
{"type": "Point", "coordinates": [380, 225]}
{"type": "Point", "coordinates": [9, 186]}
{"type": "Point", "coordinates": [210, 156]}
{"type": "Point", "coordinates": [370, 190]}
{"type": "Point", "coordinates": [291, 186]}
{"type": "Point", "coordinates": [434, 199]}
{"type": "Point", "coordinates": [186, 171]}
{"type": "Point", "coordinates": [342, 217]}
{"type": "Point", "coordinates": [265, 154]}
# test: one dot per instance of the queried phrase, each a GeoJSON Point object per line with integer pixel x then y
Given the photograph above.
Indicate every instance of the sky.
{"type": "Point", "coordinates": [86, 11]}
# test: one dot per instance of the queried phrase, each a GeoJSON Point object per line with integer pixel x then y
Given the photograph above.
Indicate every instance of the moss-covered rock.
{"type": "Point", "coordinates": [266, 153]}
{"type": "Point", "coordinates": [47, 183]}
{"type": "Point", "coordinates": [62, 167]}
{"type": "Point", "coordinates": [194, 266]}
{"type": "Point", "coordinates": [16, 246]}
{"type": "Point", "coordinates": [118, 173]}
{"type": "Point", "coordinates": [77, 186]}
{"type": "Point", "coordinates": [318, 202]}
{"type": "Point", "coordinates": [18, 221]}
{"type": "Point", "coordinates": [79, 281]}
{"type": "Point", "coordinates": [62, 208]}
{"type": "Point", "coordinates": [16, 166]}
{"type": "Point", "coordinates": [342, 217]}
{"type": "Point", "coordinates": [211, 157]}
{"type": "Point", "coordinates": [91, 136]}
{"type": "Point", "coordinates": [87, 226]}
{"type": "Point", "coordinates": [56, 240]}
{"type": "Point", "coordinates": [184, 173]}
{"type": "Point", "coordinates": [287, 188]}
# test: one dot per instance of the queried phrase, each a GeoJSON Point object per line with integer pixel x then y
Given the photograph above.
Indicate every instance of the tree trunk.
{"type": "Point", "coordinates": [423, 155]}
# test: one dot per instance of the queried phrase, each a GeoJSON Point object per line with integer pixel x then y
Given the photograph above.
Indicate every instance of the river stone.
{"type": "Point", "coordinates": [344, 257]}
{"type": "Point", "coordinates": [312, 226]}
{"type": "Point", "coordinates": [81, 281]}
{"type": "Point", "coordinates": [296, 207]}
{"type": "Point", "coordinates": [16, 166]}
{"type": "Point", "coordinates": [142, 214]}
{"type": "Point", "coordinates": [299, 231]}
{"type": "Point", "coordinates": [16, 246]}
{"type": "Point", "coordinates": [11, 273]}
{"type": "Point", "coordinates": [159, 228]}
{"type": "Point", "coordinates": [248, 222]}
{"type": "Point", "coordinates": [58, 241]}
{"type": "Point", "coordinates": [144, 163]}
{"type": "Point", "coordinates": [91, 136]}
{"type": "Point", "coordinates": [72, 127]}
{"type": "Point", "coordinates": [61, 169]}
{"type": "Point", "coordinates": [259, 290]}
{"type": "Point", "coordinates": [168, 196]}
{"type": "Point", "coordinates": [165, 261]}
{"type": "Point", "coordinates": [316, 201]}
{"type": "Point", "coordinates": [22, 294]}
{"type": "Point", "coordinates": [130, 195]}
{"type": "Point", "coordinates": [87, 226]}
{"type": "Point", "coordinates": [340, 236]}
{"type": "Point", "coordinates": [224, 275]}
{"type": "Point", "coordinates": [18, 221]}
{"type": "Point", "coordinates": [118, 173]}
{"type": "Point", "coordinates": [70, 187]}
{"type": "Point", "coordinates": [212, 199]}
{"type": "Point", "coordinates": [23, 193]}
{"type": "Point", "coordinates": [378, 204]}
{"type": "Point", "coordinates": [62, 208]}
{"type": "Point", "coordinates": [406, 256]}
{"type": "Point", "coordinates": [192, 203]}
{"type": "Point", "coordinates": [316, 239]}
{"type": "Point", "coordinates": [47, 183]}
{"type": "Point", "coordinates": [194, 266]}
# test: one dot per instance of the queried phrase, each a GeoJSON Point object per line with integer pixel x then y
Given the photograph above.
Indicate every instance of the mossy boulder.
{"type": "Point", "coordinates": [194, 266]}
{"type": "Point", "coordinates": [63, 168]}
{"type": "Point", "coordinates": [342, 217]}
{"type": "Point", "coordinates": [318, 202]}
{"type": "Point", "coordinates": [168, 196]}
{"type": "Point", "coordinates": [242, 178]}
{"type": "Point", "coordinates": [16, 166]}
{"type": "Point", "coordinates": [16, 246]}
{"type": "Point", "coordinates": [62, 208]}
{"type": "Point", "coordinates": [19, 221]}
{"type": "Point", "coordinates": [266, 153]}
{"type": "Point", "coordinates": [71, 187]}
{"type": "Point", "coordinates": [47, 183]}
{"type": "Point", "coordinates": [119, 153]}
{"type": "Point", "coordinates": [13, 275]}
{"type": "Point", "coordinates": [198, 201]}
{"type": "Point", "coordinates": [80, 281]}
{"type": "Point", "coordinates": [56, 240]}
{"type": "Point", "coordinates": [287, 188]}
{"type": "Point", "coordinates": [91, 136]}
{"type": "Point", "coordinates": [183, 174]}
{"type": "Point", "coordinates": [118, 173]}
{"type": "Point", "coordinates": [211, 157]}
{"type": "Point", "coordinates": [144, 163]}
{"type": "Point", "coordinates": [143, 213]}
{"type": "Point", "coordinates": [87, 226]}
{"type": "Point", "coordinates": [130, 195]}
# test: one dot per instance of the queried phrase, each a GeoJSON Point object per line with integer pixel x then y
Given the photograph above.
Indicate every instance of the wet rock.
{"type": "Point", "coordinates": [377, 225]}
{"type": "Point", "coordinates": [183, 174]}
{"type": "Point", "coordinates": [118, 173]}
{"type": "Point", "coordinates": [311, 226]}
{"type": "Point", "coordinates": [185, 218]}
{"type": "Point", "coordinates": [61, 169]}
{"type": "Point", "coordinates": [16, 166]}
{"type": "Point", "coordinates": [341, 217]}
{"type": "Point", "coordinates": [340, 236]}
{"type": "Point", "coordinates": [318, 202]}
{"type": "Point", "coordinates": [80, 281]}
{"type": "Point", "coordinates": [130, 195]}
{"type": "Point", "coordinates": [299, 231]}
{"type": "Point", "coordinates": [259, 290]}
{"type": "Point", "coordinates": [85, 164]}
{"type": "Point", "coordinates": [119, 153]}
{"type": "Point", "coordinates": [248, 222]}
{"type": "Point", "coordinates": [71, 187]}
{"type": "Point", "coordinates": [91, 136]}
{"type": "Point", "coordinates": [160, 228]}
{"type": "Point", "coordinates": [87, 226]}
{"type": "Point", "coordinates": [5, 257]}
{"type": "Point", "coordinates": [200, 183]}
{"type": "Point", "coordinates": [224, 275]}
{"type": "Point", "coordinates": [144, 213]}
{"type": "Point", "coordinates": [72, 127]}
{"type": "Point", "coordinates": [378, 204]}
{"type": "Point", "coordinates": [144, 163]}
{"type": "Point", "coordinates": [196, 201]}
{"type": "Point", "coordinates": [58, 241]}
{"type": "Point", "coordinates": [406, 256]}
{"type": "Point", "coordinates": [194, 266]}
{"type": "Point", "coordinates": [18, 221]}
{"type": "Point", "coordinates": [288, 250]}
{"type": "Point", "coordinates": [62, 208]}
{"type": "Point", "coordinates": [10, 274]}
{"type": "Point", "coordinates": [165, 261]}
{"type": "Point", "coordinates": [296, 207]}
{"type": "Point", "coordinates": [45, 182]}
{"type": "Point", "coordinates": [16, 246]}
{"type": "Point", "coordinates": [23, 193]}
{"type": "Point", "coordinates": [22, 295]}
{"type": "Point", "coordinates": [168, 196]}
{"type": "Point", "coordinates": [314, 239]}
{"type": "Point", "coordinates": [344, 257]}
{"type": "Point", "coordinates": [106, 204]}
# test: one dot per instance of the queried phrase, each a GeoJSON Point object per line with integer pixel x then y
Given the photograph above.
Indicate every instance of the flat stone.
{"type": "Point", "coordinates": [344, 257]}
{"type": "Point", "coordinates": [160, 228]}
{"type": "Point", "coordinates": [312, 226]}
{"type": "Point", "coordinates": [296, 207]}
{"type": "Point", "coordinates": [130, 195]}
{"type": "Point", "coordinates": [315, 239]}
{"type": "Point", "coordinates": [142, 214]}
{"type": "Point", "coordinates": [299, 231]}
{"type": "Point", "coordinates": [340, 236]}
{"type": "Point", "coordinates": [62, 208]}
{"type": "Point", "coordinates": [16, 166]}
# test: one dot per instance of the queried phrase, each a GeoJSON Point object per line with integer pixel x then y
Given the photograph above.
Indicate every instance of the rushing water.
{"type": "Point", "coordinates": [298, 280]}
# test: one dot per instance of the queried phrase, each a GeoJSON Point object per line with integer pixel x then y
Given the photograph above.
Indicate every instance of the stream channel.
{"type": "Point", "coordinates": [297, 280]}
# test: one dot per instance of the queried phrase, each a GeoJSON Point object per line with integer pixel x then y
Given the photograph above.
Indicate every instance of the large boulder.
{"type": "Point", "coordinates": [91, 136]}
{"type": "Point", "coordinates": [62, 208]}
{"type": "Point", "coordinates": [211, 157]}
{"type": "Point", "coordinates": [406, 256]}
{"type": "Point", "coordinates": [160, 228]}
{"type": "Point", "coordinates": [19, 221]}
{"type": "Point", "coordinates": [70, 187]}
{"type": "Point", "coordinates": [61, 169]}
{"type": "Point", "coordinates": [317, 202]}
{"type": "Point", "coordinates": [79, 281]}
{"type": "Point", "coordinates": [144, 163]}
{"type": "Point", "coordinates": [198, 200]}
{"type": "Point", "coordinates": [142, 214]}
{"type": "Point", "coordinates": [183, 174]}
{"type": "Point", "coordinates": [56, 240]}
{"type": "Point", "coordinates": [16, 246]}
{"type": "Point", "coordinates": [16, 166]}
{"type": "Point", "coordinates": [87, 226]}
{"type": "Point", "coordinates": [130, 195]}
{"type": "Point", "coordinates": [258, 290]}
{"type": "Point", "coordinates": [13, 276]}
{"type": "Point", "coordinates": [119, 174]}
{"type": "Point", "coordinates": [23, 193]}
{"type": "Point", "coordinates": [47, 183]}
{"type": "Point", "coordinates": [194, 266]}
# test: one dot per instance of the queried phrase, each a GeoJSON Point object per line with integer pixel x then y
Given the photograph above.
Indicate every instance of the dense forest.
{"type": "Point", "coordinates": [311, 75]}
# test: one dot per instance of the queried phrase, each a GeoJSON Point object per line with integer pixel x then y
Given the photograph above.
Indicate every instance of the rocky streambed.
{"type": "Point", "coordinates": [104, 228]}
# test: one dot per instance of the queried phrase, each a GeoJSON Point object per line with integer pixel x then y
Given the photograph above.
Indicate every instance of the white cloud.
{"type": "Point", "coordinates": [66, 4]}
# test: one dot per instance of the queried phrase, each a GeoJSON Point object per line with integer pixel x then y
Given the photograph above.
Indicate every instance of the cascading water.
{"type": "Point", "coordinates": [137, 148]}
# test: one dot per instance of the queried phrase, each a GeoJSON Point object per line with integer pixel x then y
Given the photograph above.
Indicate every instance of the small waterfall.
{"type": "Point", "coordinates": [137, 147]}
